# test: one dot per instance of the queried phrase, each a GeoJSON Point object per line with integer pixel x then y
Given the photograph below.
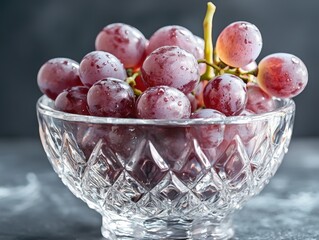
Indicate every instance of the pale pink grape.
{"type": "Point", "coordinates": [171, 66]}
{"type": "Point", "coordinates": [125, 42]}
{"type": "Point", "coordinates": [163, 102]}
{"type": "Point", "coordinates": [239, 44]}
{"type": "Point", "coordinates": [282, 75]}
{"type": "Point", "coordinates": [174, 35]}
{"type": "Point", "coordinates": [98, 65]}
{"type": "Point", "coordinates": [58, 74]}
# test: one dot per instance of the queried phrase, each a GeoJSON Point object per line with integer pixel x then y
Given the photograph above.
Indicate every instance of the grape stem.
{"type": "Point", "coordinates": [208, 49]}
{"type": "Point", "coordinates": [131, 81]}
{"type": "Point", "coordinates": [213, 65]}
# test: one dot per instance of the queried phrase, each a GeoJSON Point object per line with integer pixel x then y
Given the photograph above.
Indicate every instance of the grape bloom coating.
{"type": "Point", "coordinates": [58, 74]}
{"type": "Point", "coordinates": [111, 97]}
{"type": "Point", "coordinates": [98, 65]}
{"type": "Point", "coordinates": [227, 94]}
{"type": "Point", "coordinates": [171, 66]}
{"type": "Point", "coordinates": [282, 75]}
{"type": "Point", "coordinates": [127, 43]}
{"type": "Point", "coordinates": [239, 44]}
{"type": "Point", "coordinates": [163, 102]}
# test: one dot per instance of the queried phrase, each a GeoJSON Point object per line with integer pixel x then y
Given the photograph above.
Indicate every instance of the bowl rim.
{"type": "Point", "coordinates": [287, 106]}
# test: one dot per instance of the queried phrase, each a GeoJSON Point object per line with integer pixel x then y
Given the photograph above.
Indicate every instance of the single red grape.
{"type": "Point", "coordinates": [282, 75]}
{"type": "Point", "coordinates": [125, 42]}
{"type": "Point", "coordinates": [73, 100]}
{"type": "Point", "coordinates": [174, 36]}
{"type": "Point", "coordinates": [171, 66]}
{"type": "Point", "coordinates": [58, 74]}
{"type": "Point", "coordinates": [239, 44]}
{"type": "Point", "coordinates": [163, 102]}
{"type": "Point", "coordinates": [226, 93]}
{"type": "Point", "coordinates": [111, 97]}
{"type": "Point", "coordinates": [98, 65]}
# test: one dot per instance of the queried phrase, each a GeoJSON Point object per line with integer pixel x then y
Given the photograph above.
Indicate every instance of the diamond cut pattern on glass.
{"type": "Point", "coordinates": [51, 138]}
{"type": "Point", "coordinates": [102, 171]}
{"type": "Point", "coordinates": [160, 171]}
{"type": "Point", "coordinates": [209, 187]}
{"type": "Point", "coordinates": [147, 166]}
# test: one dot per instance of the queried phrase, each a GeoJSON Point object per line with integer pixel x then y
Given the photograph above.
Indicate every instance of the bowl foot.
{"type": "Point", "coordinates": [120, 228]}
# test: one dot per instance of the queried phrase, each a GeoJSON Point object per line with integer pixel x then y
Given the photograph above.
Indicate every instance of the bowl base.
{"type": "Point", "coordinates": [156, 228]}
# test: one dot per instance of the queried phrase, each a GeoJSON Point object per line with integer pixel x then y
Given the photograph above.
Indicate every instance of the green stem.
{"type": "Point", "coordinates": [131, 81]}
{"type": "Point", "coordinates": [213, 65]}
{"type": "Point", "coordinates": [208, 50]}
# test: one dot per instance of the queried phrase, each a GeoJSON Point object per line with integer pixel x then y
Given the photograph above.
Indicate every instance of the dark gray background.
{"type": "Point", "coordinates": [34, 31]}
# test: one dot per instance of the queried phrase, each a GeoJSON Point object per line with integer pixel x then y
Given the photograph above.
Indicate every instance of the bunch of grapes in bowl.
{"type": "Point", "coordinates": [167, 137]}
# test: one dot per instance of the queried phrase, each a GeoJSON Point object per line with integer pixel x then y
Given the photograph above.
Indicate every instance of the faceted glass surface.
{"type": "Point", "coordinates": [158, 179]}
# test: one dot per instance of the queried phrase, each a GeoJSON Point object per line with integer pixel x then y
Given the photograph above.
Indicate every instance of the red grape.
{"type": "Point", "coordinates": [73, 100]}
{"type": "Point", "coordinates": [111, 97]}
{"type": "Point", "coordinates": [123, 41]}
{"type": "Point", "coordinates": [98, 65]}
{"type": "Point", "coordinates": [209, 135]}
{"type": "Point", "coordinates": [163, 102]}
{"type": "Point", "coordinates": [282, 75]}
{"type": "Point", "coordinates": [58, 74]}
{"type": "Point", "coordinates": [257, 100]}
{"type": "Point", "coordinates": [171, 66]}
{"type": "Point", "coordinates": [226, 93]}
{"type": "Point", "coordinates": [239, 44]}
{"type": "Point", "coordinates": [174, 36]}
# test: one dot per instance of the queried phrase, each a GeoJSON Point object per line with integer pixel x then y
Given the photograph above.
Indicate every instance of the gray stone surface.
{"type": "Point", "coordinates": [34, 204]}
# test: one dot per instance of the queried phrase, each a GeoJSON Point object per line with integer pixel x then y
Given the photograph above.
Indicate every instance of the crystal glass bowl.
{"type": "Point", "coordinates": [165, 179]}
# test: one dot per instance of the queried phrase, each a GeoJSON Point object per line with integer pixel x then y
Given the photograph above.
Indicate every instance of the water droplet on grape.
{"type": "Point", "coordinates": [161, 91]}
{"type": "Point", "coordinates": [179, 103]}
{"type": "Point", "coordinates": [294, 60]}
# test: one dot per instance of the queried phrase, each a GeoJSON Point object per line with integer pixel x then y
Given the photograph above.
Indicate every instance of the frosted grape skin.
{"type": "Point", "coordinates": [282, 75]}
{"type": "Point", "coordinates": [73, 100]}
{"type": "Point", "coordinates": [163, 102]}
{"type": "Point", "coordinates": [125, 42]}
{"type": "Point", "coordinates": [58, 74]}
{"type": "Point", "coordinates": [111, 97]}
{"type": "Point", "coordinates": [171, 66]}
{"type": "Point", "coordinates": [174, 35]}
{"type": "Point", "coordinates": [98, 65]}
{"type": "Point", "coordinates": [239, 44]}
{"type": "Point", "coordinates": [226, 93]}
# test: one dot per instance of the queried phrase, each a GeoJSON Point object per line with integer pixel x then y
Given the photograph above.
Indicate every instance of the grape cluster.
{"type": "Point", "coordinates": [173, 75]}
